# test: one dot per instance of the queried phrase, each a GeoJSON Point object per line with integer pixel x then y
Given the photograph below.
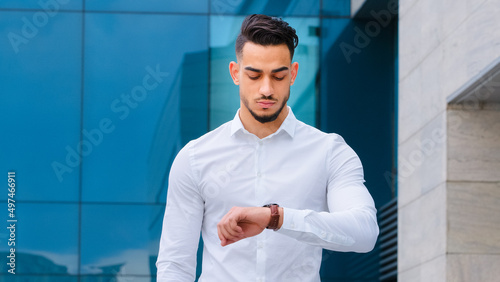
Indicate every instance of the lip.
{"type": "Point", "coordinates": [265, 104]}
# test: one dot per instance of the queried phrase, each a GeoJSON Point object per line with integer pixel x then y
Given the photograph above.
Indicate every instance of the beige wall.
{"type": "Point", "coordinates": [448, 171]}
{"type": "Point", "coordinates": [473, 195]}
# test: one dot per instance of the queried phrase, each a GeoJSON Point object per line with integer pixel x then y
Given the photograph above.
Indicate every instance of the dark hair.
{"type": "Point", "coordinates": [265, 31]}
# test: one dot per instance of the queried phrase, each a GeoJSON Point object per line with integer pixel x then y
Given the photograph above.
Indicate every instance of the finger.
{"type": "Point", "coordinates": [230, 223]}
{"type": "Point", "coordinates": [221, 229]}
{"type": "Point", "coordinates": [223, 240]}
{"type": "Point", "coordinates": [237, 230]}
{"type": "Point", "coordinates": [226, 240]}
{"type": "Point", "coordinates": [228, 233]}
{"type": "Point", "coordinates": [232, 228]}
{"type": "Point", "coordinates": [228, 229]}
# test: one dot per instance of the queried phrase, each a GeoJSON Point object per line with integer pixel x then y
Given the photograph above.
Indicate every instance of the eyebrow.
{"type": "Point", "coordinates": [260, 71]}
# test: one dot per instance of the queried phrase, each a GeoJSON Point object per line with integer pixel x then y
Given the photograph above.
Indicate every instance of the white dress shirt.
{"type": "Point", "coordinates": [316, 177]}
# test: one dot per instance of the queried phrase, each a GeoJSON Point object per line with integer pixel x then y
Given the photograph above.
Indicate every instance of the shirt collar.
{"type": "Point", "coordinates": [288, 124]}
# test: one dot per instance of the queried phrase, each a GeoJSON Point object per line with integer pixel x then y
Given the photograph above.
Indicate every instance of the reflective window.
{"type": "Point", "coordinates": [268, 7]}
{"type": "Point", "coordinates": [46, 238]}
{"type": "Point", "coordinates": [224, 95]}
{"type": "Point", "coordinates": [189, 6]}
{"type": "Point", "coordinates": [331, 32]}
{"type": "Point", "coordinates": [336, 8]}
{"type": "Point", "coordinates": [303, 93]}
{"type": "Point", "coordinates": [38, 278]}
{"type": "Point", "coordinates": [40, 82]}
{"type": "Point", "coordinates": [120, 239]}
{"type": "Point", "coordinates": [357, 101]}
{"type": "Point", "coordinates": [51, 7]}
{"type": "Point", "coordinates": [135, 82]}
{"type": "Point", "coordinates": [112, 278]}
{"type": "Point", "coordinates": [372, 117]}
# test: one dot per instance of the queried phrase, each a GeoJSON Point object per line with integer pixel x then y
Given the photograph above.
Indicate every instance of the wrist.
{"type": "Point", "coordinates": [280, 223]}
{"type": "Point", "coordinates": [275, 216]}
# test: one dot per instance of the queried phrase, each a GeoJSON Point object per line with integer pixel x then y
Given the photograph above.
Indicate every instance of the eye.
{"type": "Point", "coordinates": [253, 77]}
{"type": "Point", "coordinates": [279, 78]}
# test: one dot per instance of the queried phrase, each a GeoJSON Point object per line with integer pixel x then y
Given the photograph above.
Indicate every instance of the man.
{"type": "Point", "coordinates": [225, 182]}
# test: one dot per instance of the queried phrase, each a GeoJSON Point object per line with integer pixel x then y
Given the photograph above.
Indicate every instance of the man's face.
{"type": "Point", "coordinates": [264, 74]}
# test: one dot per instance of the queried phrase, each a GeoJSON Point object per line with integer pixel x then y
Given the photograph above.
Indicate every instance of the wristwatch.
{"type": "Point", "coordinates": [275, 216]}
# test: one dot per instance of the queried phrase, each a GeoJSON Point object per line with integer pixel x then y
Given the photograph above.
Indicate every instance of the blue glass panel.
{"type": "Point", "coordinates": [332, 29]}
{"type": "Point", "coordinates": [224, 97]}
{"type": "Point", "coordinates": [113, 278]}
{"type": "Point", "coordinates": [336, 8]}
{"type": "Point", "coordinates": [120, 239]}
{"type": "Point", "coordinates": [357, 97]}
{"type": "Point", "coordinates": [268, 7]}
{"type": "Point", "coordinates": [51, 7]}
{"type": "Point", "coordinates": [40, 80]}
{"type": "Point", "coordinates": [145, 94]}
{"type": "Point", "coordinates": [46, 238]}
{"type": "Point", "coordinates": [370, 103]}
{"type": "Point", "coordinates": [303, 91]}
{"type": "Point", "coordinates": [37, 278]}
{"type": "Point", "coordinates": [186, 6]}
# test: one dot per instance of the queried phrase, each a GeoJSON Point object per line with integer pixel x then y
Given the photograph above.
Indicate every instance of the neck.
{"type": "Point", "coordinates": [261, 130]}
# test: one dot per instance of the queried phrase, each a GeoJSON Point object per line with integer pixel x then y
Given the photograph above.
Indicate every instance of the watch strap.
{"type": "Point", "coordinates": [275, 216]}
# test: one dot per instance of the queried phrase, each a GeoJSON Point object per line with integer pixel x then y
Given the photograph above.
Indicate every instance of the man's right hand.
{"type": "Point", "coordinates": [243, 222]}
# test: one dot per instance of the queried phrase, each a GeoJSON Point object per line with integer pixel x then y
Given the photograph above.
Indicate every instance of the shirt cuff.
{"type": "Point", "coordinates": [293, 219]}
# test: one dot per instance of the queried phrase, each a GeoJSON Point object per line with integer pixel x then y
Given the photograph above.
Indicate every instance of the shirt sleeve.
{"type": "Point", "coordinates": [181, 223]}
{"type": "Point", "coordinates": [350, 224]}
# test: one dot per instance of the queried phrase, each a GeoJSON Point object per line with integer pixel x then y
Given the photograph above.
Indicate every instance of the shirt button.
{"type": "Point", "coordinates": [258, 174]}
{"type": "Point", "coordinates": [292, 226]}
{"type": "Point", "coordinates": [323, 234]}
{"type": "Point", "coordinates": [260, 279]}
{"type": "Point", "coordinates": [260, 245]}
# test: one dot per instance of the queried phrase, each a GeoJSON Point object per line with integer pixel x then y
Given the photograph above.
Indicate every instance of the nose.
{"type": "Point", "coordinates": [266, 87]}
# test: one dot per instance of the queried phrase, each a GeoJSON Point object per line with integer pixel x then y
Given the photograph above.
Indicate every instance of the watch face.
{"type": "Point", "coordinates": [272, 204]}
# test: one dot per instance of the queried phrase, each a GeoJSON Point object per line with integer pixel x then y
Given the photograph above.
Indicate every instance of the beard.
{"type": "Point", "coordinates": [269, 117]}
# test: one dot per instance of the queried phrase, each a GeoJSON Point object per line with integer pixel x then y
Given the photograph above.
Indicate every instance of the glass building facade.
{"type": "Point", "coordinates": [97, 98]}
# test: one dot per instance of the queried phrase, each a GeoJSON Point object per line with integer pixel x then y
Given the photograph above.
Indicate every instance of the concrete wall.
{"type": "Point", "coordinates": [473, 194]}
{"type": "Point", "coordinates": [448, 172]}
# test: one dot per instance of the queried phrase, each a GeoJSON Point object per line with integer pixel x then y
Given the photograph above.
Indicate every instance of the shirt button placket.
{"type": "Point", "coordinates": [258, 171]}
{"type": "Point", "coordinates": [261, 252]}
{"type": "Point", "coordinates": [261, 260]}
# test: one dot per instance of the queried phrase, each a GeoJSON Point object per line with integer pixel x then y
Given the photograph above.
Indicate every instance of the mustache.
{"type": "Point", "coordinates": [268, 98]}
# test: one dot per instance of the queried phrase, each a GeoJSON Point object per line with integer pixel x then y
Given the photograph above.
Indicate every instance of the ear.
{"type": "Point", "coordinates": [234, 71]}
{"type": "Point", "coordinates": [295, 69]}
